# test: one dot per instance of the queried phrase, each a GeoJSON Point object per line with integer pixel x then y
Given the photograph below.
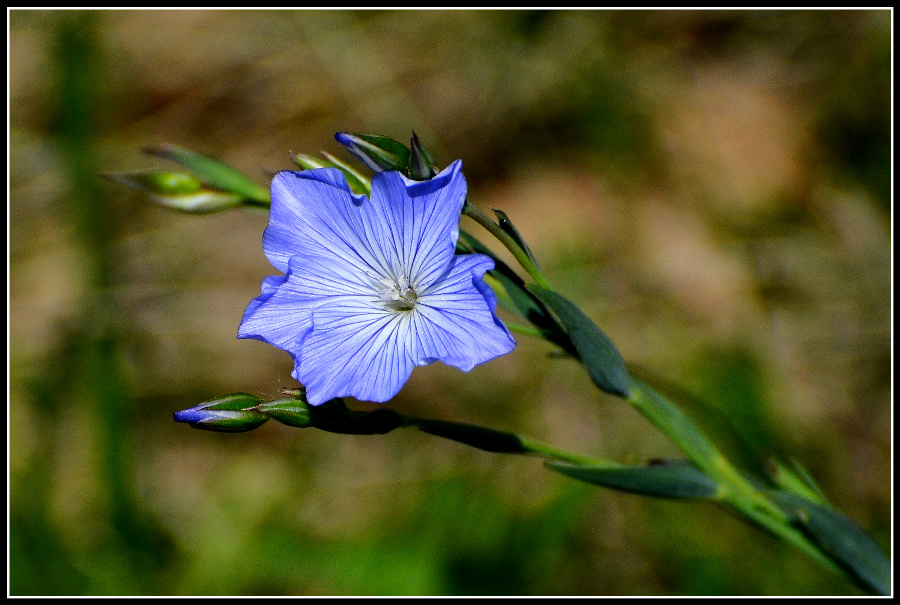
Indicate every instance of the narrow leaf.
{"type": "Point", "coordinates": [848, 545]}
{"type": "Point", "coordinates": [670, 479]}
{"type": "Point", "coordinates": [794, 478]}
{"type": "Point", "coordinates": [601, 358]}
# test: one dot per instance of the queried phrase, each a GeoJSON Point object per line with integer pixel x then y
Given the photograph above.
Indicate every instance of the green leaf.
{"type": "Point", "coordinates": [840, 538]}
{"type": "Point", "coordinates": [668, 479]}
{"type": "Point", "coordinates": [792, 477]}
{"type": "Point", "coordinates": [527, 304]}
{"type": "Point", "coordinates": [376, 151]}
{"type": "Point", "coordinates": [601, 358]}
{"type": "Point", "coordinates": [213, 172]}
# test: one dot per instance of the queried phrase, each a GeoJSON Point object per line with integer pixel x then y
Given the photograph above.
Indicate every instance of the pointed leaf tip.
{"type": "Point", "coordinates": [599, 355]}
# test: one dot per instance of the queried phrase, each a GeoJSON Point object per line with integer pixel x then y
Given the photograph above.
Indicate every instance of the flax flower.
{"type": "Point", "coordinates": [372, 286]}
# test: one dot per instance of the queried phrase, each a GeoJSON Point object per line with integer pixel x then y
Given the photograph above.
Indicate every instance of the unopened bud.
{"type": "Point", "coordinates": [178, 190]}
{"type": "Point", "coordinates": [213, 172]}
{"type": "Point", "coordinates": [292, 411]}
{"type": "Point", "coordinates": [357, 182]}
{"type": "Point", "coordinates": [376, 151]}
{"type": "Point", "coordinates": [227, 414]}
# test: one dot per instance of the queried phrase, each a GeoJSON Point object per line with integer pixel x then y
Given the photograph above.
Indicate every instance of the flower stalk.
{"type": "Point", "coordinates": [475, 213]}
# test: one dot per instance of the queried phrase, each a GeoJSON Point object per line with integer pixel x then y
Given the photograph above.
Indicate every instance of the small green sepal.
{"type": "Point", "coordinates": [421, 163]}
{"type": "Point", "coordinates": [292, 411]}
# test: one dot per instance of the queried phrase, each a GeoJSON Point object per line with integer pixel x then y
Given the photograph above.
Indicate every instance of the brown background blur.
{"type": "Point", "coordinates": [712, 188]}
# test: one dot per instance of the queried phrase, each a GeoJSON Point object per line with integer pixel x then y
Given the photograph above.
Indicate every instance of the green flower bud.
{"type": "Point", "coordinates": [376, 151]}
{"type": "Point", "coordinates": [213, 172]}
{"type": "Point", "coordinates": [357, 182]}
{"type": "Point", "coordinates": [178, 190]}
{"type": "Point", "coordinates": [309, 162]}
{"type": "Point", "coordinates": [227, 414]}
{"type": "Point", "coordinates": [292, 411]}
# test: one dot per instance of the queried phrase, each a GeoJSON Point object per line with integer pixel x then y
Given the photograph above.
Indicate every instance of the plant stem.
{"type": "Point", "coordinates": [485, 221]}
{"type": "Point", "coordinates": [734, 489]}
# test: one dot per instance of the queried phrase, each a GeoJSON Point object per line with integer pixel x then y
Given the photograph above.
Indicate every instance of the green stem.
{"type": "Point", "coordinates": [732, 494]}
{"type": "Point", "coordinates": [485, 221]}
{"type": "Point", "coordinates": [491, 440]}
{"type": "Point", "coordinates": [548, 452]}
{"type": "Point", "coordinates": [734, 489]}
{"type": "Point", "coordinates": [523, 329]}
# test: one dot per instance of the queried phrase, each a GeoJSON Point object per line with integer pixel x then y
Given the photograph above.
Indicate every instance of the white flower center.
{"type": "Point", "coordinates": [398, 295]}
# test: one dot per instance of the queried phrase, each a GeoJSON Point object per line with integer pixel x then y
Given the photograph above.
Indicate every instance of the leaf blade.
{"type": "Point", "coordinates": [599, 355]}
{"type": "Point", "coordinates": [842, 539]}
{"type": "Point", "coordinates": [670, 479]}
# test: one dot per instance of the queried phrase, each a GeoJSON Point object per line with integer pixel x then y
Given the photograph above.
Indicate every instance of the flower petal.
{"type": "Point", "coordinates": [421, 220]}
{"type": "Point", "coordinates": [280, 316]}
{"type": "Point", "coordinates": [314, 211]}
{"type": "Point", "coordinates": [455, 322]}
{"type": "Point", "coordinates": [357, 349]}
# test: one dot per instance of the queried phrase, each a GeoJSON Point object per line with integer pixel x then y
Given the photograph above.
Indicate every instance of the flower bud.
{"type": "Point", "coordinates": [421, 163]}
{"type": "Point", "coordinates": [178, 190]}
{"type": "Point", "coordinates": [213, 172]}
{"type": "Point", "coordinates": [291, 411]}
{"type": "Point", "coordinates": [376, 151]}
{"type": "Point", "coordinates": [226, 414]}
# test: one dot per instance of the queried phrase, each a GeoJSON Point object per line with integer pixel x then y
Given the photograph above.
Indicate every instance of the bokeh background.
{"type": "Point", "coordinates": [712, 187]}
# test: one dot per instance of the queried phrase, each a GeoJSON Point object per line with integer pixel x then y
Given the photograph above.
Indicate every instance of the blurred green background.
{"type": "Point", "coordinates": [713, 188]}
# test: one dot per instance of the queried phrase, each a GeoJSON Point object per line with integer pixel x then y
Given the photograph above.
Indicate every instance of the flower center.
{"type": "Point", "coordinates": [399, 295]}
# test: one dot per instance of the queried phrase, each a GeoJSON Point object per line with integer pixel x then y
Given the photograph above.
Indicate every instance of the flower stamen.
{"type": "Point", "coordinates": [399, 295]}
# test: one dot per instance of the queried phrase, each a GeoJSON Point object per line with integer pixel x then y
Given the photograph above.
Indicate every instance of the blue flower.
{"type": "Point", "coordinates": [372, 285]}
